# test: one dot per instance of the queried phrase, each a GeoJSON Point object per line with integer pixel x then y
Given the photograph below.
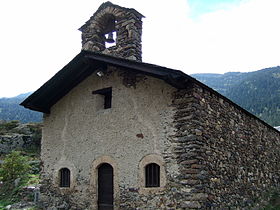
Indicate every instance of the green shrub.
{"type": "Point", "coordinates": [7, 126]}
{"type": "Point", "coordinates": [274, 200]}
{"type": "Point", "coordinates": [14, 166]}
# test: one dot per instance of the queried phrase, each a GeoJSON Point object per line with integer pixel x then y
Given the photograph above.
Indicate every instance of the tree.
{"type": "Point", "coordinates": [14, 166]}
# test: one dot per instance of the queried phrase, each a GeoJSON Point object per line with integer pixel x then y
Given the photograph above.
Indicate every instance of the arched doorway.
{"type": "Point", "coordinates": [105, 187]}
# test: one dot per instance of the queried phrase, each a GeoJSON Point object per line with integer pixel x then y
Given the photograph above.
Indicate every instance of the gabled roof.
{"type": "Point", "coordinates": [87, 62]}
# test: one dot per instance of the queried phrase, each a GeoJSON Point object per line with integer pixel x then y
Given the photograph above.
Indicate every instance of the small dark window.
{"type": "Point", "coordinates": [64, 177]}
{"type": "Point", "coordinates": [107, 94]}
{"type": "Point", "coordinates": [152, 175]}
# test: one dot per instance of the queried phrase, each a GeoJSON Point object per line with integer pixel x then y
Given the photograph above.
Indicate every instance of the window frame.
{"type": "Point", "coordinates": [152, 175]}
{"type": "Point", "coordinates": [64, 177]}
{"type": "Point", "coordinates": [107, 96]}
{"type": "Point", "coordinates": [145, 161]}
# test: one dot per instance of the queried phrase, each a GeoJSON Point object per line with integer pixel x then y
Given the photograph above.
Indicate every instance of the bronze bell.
{"type": "Point", "coordinates": [110, 38]}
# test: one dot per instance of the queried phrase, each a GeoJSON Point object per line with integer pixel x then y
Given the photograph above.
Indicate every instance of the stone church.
{"type": "Point", "coordinates": [122, 134]}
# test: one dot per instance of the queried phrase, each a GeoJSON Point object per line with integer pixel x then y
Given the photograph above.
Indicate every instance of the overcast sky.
{"type": "Point", "coordinates": [39, 37]}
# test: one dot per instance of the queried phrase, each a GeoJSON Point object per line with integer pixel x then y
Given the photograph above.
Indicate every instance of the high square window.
{"type": "Point", "coordinates": [106, 93]}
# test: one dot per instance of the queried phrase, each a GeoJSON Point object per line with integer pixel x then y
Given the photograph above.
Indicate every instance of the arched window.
{"type": "Point", "coordinates": [152, 175]}
{"type": "Point", "coordinates": [109, 24]}
{"type": "Point", "coordinates": [64, 174]}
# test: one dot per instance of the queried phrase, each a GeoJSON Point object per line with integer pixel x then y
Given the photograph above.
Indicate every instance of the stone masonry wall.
{"type": "Point", "coordinates": [189, 151]}
{"type": "Point", "coordinates": [227, 158]}
{"type": "Point", "coordinates": [125, 22]}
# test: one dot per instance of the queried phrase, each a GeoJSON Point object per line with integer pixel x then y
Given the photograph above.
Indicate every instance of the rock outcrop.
{"type": "Point", "coordinates": [17, 136]}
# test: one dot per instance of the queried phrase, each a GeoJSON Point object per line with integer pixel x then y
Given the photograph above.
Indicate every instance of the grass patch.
{"type": "Point", "coordinates": [274, 200]}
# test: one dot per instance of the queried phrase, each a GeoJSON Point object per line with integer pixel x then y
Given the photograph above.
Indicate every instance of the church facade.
{"type": "Point", "coordinates": [122, 134]}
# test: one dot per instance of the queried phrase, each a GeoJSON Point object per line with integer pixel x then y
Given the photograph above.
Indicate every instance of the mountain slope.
{"type": "Point", "coordinates": [258, 92]}
{"type": "Point", "coordinates": [11, 110]}
{"type": "Point", "coordinates": [221, 82]}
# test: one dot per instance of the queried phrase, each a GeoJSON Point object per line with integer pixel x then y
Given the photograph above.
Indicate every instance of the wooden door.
{"type": "Point", "coordinates": [105, 187]}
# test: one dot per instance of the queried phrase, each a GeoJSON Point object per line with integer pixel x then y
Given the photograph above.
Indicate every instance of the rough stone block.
{"type": "Point", "coordinates": [190, 205]}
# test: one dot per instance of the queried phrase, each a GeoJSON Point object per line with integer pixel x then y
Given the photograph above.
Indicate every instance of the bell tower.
{"type": "Point", "coordinates": [114, 24]}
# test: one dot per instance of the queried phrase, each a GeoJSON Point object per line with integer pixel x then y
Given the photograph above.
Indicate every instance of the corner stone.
{"type": "Point", "coordinates": [191, 205]}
